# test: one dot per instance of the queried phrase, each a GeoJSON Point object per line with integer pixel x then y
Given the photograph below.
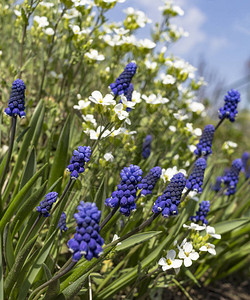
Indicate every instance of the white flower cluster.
{"type": "Point", "coordinates": [139, 16]}
{"type": "Point", "coordinates": [168, 173]}
{"type": "Point", "coordinates": [155, 99]}
{"type": "Point", "coordinates": [183, 66]}
{"type": "Point", "coordinates": [42, 23]}
{"type": "Point", "coordinates": [169, 7]}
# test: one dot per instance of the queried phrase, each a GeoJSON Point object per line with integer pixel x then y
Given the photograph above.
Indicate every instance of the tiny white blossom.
{"type": "Point", "coordinates": [167, 78]}
{"type": "Point", "coordinates": [41, 21]}
{"type": "Point", "coordinates": [108, 156]}
{"type": "Point", "coordinates": [210, 248]}
{"type": "Point", "coordinates": [228, 144]}
{"type": "Point", "coordinates": [136, 97]}
{"type": "Point", "coordinates": [198, 131]}
{"type": "Point", "coordinates": [211, 231]}
{"type": "Point", "coordinates": [191, 148]}
{"type": "Point", "coordinates": [121, 31]}
{"type": "Point", "coordinates": [17, 12]}
{"type": "Point", "coordinates": [94, 134]}
{"type": "Point", "coordinates": [46, 4]}
{"type": "Point", "coordinates": [170, 262]}
{"type": "Point", "coordinates": [150, 65]}
{"type": "Point", "coordinates": [196, 107]}
{"type": "Point", "coordinates": [166, 175]}
{"type": "Point", "coordinates": [115, 238]}
{"type": "Point", "coordinates": [129, 104]}
{"type": "Point", "coordinates": [188, 254]}
{"type": "Point", "coordinates": [89, 118]}
{"type": "Point", "coordinates": [146, 43]}
{"type": "Point", "coordinates": [121, 114]}
{"type": "Point", "coordinates": [180, 116]}
{"type": "Point", "coordinates": [97, 98]}
{"type": "Point", "coordinates": [81, 103]}
{"type": "Point", "coordinates": [194, 226]}
{"type": "Point", "coordinates": [172, 128]}
{"type": "Point", "coordinates": [93, 54]}
{"type": "Point", "coordinates": [49, 31]}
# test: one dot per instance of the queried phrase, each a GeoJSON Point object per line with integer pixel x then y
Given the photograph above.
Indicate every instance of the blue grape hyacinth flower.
{"type": "Point", "coordinates": [229, 110]}
{"type": "Point", "coordinates": [79, 159]}
{"type": "Point", "coordinates": [245, 157]}
{"type": "Point", "coordinates": [46, 205]}
{"type": "Point", "coordinates": [62, 222]}
{"type": "Point", "coordinates": [205, 144]}
{"type": "Point", "coordinates": [87, 240]}
{"type": "Point", "coordinates": [168, 202]}
{"type": "Point", "coordinates": [195, 180]}
{"type": "Point", "coordinates": [201, 214]}
{"type": "Point", "coordinates": [217, 185]}
{"type": "Point", "coordinates": [129, 94]}
{"type": "Point", "coordinates": [121, 84]}
{"type": "Point", "coordinates": [232, 177]}
{"type": "Point", "coordinates": [148, 183]}
{"type": "Point", "coordinates": [146, 148]}
{"type": "Point", "coordinates": [125, 195]}
{"type": "Point", "coordinates": [16, 104]}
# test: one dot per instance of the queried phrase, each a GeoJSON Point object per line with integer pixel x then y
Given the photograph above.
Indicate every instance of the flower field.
{"type": "Point", "coordinates": [115, 181]}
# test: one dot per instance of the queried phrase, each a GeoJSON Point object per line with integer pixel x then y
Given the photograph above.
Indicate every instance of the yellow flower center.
{"type": "Point", "coordinates": [169, 262]}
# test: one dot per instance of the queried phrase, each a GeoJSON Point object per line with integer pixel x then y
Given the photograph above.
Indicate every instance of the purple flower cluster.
{"type": "Point", "coordinates": [201, 213]}
{"type": "Point", "coordinates": [195, 180]}
{"type": "Point", "coordinates": [148, 183]}
{"type": "Point", "coordinates": [229, 110]}
{"type": "Point", "coordinates": [129, 94]}
{"type": "Point", "coordinates": [17, 99]}
{"type": "Point", "coordinates": [232, 177]}
{"type": "Point", "coordinates": [78, 161]}
{"type": "Point", "coordinates": [125, 194]}
{"type": "Point", "coordinates": [62, 222]}
{"type": "Point", "coordinates": [244, 158]}
{"type": "Point", "coordinates": [170, 199]}
{"type": "Point", "coordinates": [46, 205]}
{"type": "Point", "coordinates": [217, 185]}
{"type": "Point", "coordinates": [121, 84]}
{"type": "Point", "coordinates": [87, 240]}
{"type": "Point", "coordinates": [205, 144]}
{"type": "Point", "coordinates": [146, 148]}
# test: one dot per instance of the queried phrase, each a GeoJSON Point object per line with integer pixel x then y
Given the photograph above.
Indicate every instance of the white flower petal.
{"type": "Point", "coordinates": [177, 263]}
{"type": "Point", "coordinates": [187, 262]}
{"type": "Point", "coordinates": [203, 248]}
{"type": "Point", "coordinates": [182, 254]}
{"type": "Point", "coordinates": [188, 247]}
{"type": "Point", "coordinates": [171, 254]}
{"type": "Point", "coordinates": [162, 262]}
{"type": "Point", "coordinates": [194, 255]}
{"type": "Point", "coordinates": [211, 251]}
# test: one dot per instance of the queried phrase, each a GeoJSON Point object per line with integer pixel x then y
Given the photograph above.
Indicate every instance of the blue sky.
{"type": "Point", "coordinates": [219, 31]}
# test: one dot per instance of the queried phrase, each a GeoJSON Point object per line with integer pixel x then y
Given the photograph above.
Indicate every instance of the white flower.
{"type": "Point", "coordinates": [208, 248]}
{"type": "Point", "coordinates": [90, 3]}
{"type": "Point", "coordinates": [150, 65]}
{"type": "Point", "coordinates": [17, 13]}
{"type": "Point", "coordinates": [211, 231]}
{"type": "Point", "coordinates": [191, 148]}
{"type": "Point", "coordinates": [196, 107]}
{"type": "Point", "coordinates": [41, 21]}
{"type": "Point", "coordinates": [194, 226]}
{"type": "Point", "coordinates": [97, 98]}
{"type": "Point", "coordinates": [180, 116]}
{"type": "Point", "coordinates": [49, 31]}
{"type": "Point", "coordinates": [172, 128]}
{"type": "Point", "coordinates": [188, 254]}
{"type": "Point", "coordinates": [1, 52]}
{"type": "Point", "coordinates": [94, 134]}
{"type": "Point", "coordinates": [136, 97]}
{"type": "Point", "coordinates": [167, 78]}
{"type": "Point", "coordinates": [71, 13]}
{"type": "Point", "coordinates": [125, 131]}
{"type": "Point", "coordinates": [198, 131]}
{"type": "Point", "coordinates": [121, 31]}
{"type": "Point", "coordinates": [146, 43]}
{"type": "Point", "coordinates": [75, 29]}
{"type": "Point", "coordinates": [127, 103]}
{"type": "Point", "coordinates": [166, 175]}
{"type": "Point", "coordinates": [170, 262]}
{"type": "Point", "coordinates": [81, 103]}
{"type": "Point", "coordinates": [228, 144]}
{"type": "Point", "coordinates": [115, 238]}
{"type": "Point", "coordinates": [121, 114]}
{"type": "Point", "coordinates": [89, 118]}
{"type": "Point", "coordinates": [108, 156]}
{"type": "Point", "coordinates": [151, 99]}
{"type": "Point", "coordinates": [115, 132]}
{"type": "Point", "coordinates": [140, 17]}
{"type": "Point", "coordinates": [46, 4]}
{"type": "Point", "coordinates": [93, 54]}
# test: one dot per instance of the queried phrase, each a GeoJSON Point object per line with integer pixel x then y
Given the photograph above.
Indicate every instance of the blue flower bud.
{"type": "Point", "coordinates": [195, 180]}
{"type": "Point", "coordinates": [121, 84]}
{"type": "Point", "coordinates": [217, 185]}
{"type": "Point", "coordinates": [232, 177]}
{"type": "Point", "coordinates": [126, 190]}
{"type": "Point", "coordinates": [87, 240]}
{"type": "Point", "coordinates": [146, 150]}
{"type": "Point", "coordinates": [170, 199]}
{"type": "Point", "coordinates": [205, 144]}
{"type": "Point", "coordinates": [148, 183]}
{"type": "Point", "coordinates": [201, 214]}
{"type": "Point", "coordinates": [229, 110]}
{"type": "Point", "coordinates": [78, 161]}
{"type": "Point", "coordinates": [46, 205]}
{"type": "Point", "coordinates": [244, 158]}
{"type": "Point", "coordinates": [62, 222]}
{"type": "Point", "coordinates": [17, 99]}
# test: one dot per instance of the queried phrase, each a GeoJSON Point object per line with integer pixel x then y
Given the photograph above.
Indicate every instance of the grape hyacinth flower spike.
{"type": "Point", "coordinates": [121, 84]}
{"type": "Point", "coordinates": [195, 180]}
{"type": "Point", "coordinates": [148, 183]}
{"type": "Point", "coordinates": [46, 205]}
{"type": "Point", "coordinates": [232, 177]}
{"type": "Point", "coordinates": [129, 94]}
{"type": "Point", "coordinates": [17, 99]}
{"type": "Point", "coordinates": [125, 195]}
{"type": "Point", "coordinates": [201, 214]}
{"type": "Point", "coordinates": [62, 223]}
{"type": "Point", "coordinates": [244, 158]}
{"type": "Point", "coordinates": [146, 149]}
{"type": "Point", "coordinates": [205, 144]}
{"type": "Point", "coordinates": [168, 202]}
{"type": "Point", "coordinates": [79, 159]}
{"type": "Point", "coordinates": [87, 240]}
{"type": "Point", "coordinates": [229, 110]}
{"type": "Point", "coordinates": [217, 185]}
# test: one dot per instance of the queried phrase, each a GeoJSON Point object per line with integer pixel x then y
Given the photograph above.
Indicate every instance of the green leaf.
{"type": "Point", "coordinates": [229, 225]}
{"type": "Point", "coordinates": [1, 272]}
{"type": "Point", "coordinates": [137, 239]}
{"type": "Point", "coordinates": [27, 207]}
{"type": "Point", "coordinates": [39, 260]}
{"type": "Point", "coordinates": [29, 169]}
{"type": "Point", "coordinates": [61, 155]}
{"type": "Point", "coordinates": [23, 150]}
{"type": "Point", "coordinates": [8, 247]}
{"type": "Point", "coordinates": [16, 202]}
{"type": "Point", "coordinates": [15, 270]}
{"type": "Point", "coordinates": [192, 277]}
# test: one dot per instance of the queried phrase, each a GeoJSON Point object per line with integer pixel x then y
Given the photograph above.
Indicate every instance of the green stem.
{"type": "Point", "coordinates": [109, 216]}
{"type": "Point", "coordinates": [219, 123]}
